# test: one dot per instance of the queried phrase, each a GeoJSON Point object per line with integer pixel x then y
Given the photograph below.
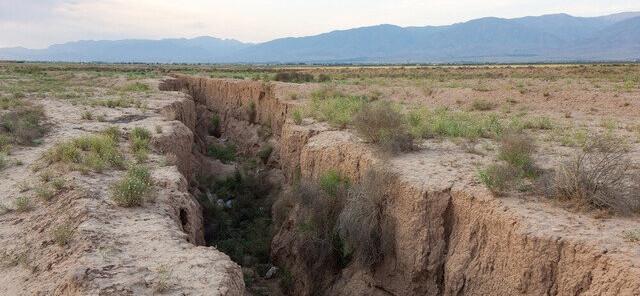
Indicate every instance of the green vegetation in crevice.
{"type": "Point", "coordinates": [226, 153]}
{"type": "Point", "coordinates": [237, 217]}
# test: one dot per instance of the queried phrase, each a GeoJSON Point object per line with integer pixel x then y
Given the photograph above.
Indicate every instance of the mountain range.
{"type": "Point", "coordinates": [547, 38]}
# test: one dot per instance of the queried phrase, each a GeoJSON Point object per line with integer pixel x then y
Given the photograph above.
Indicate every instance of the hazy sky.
{"type": "Point", "coordinates": [39, 23]}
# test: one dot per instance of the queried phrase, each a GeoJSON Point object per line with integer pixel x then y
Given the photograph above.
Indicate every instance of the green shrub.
{"type": "Point", "coordinates": [132, 189]}
{"type": "Point", "coordinates": [139, 139]}
{"type": "Point", "coordinates": [225, 153]}
{"type": "Point", "coordinates": [215, 122]}
{"type": "Point", "coordinates": [43, 192]}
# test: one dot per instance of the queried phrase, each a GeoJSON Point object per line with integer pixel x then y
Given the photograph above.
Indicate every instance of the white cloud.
{"type": "Point", "coordinates": [39, 23]}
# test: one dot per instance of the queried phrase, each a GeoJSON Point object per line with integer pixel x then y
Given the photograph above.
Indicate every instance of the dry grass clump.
{"type": "Point", "coordinates": [382, 124]}
{"type": "Point", "coordinates": [88, 152]}
{"type": "Point", "coordinates": [361, 223]}
{"type": "Point", "coordinates": [597, 175]}
{"type": "Point", "coordinates": [133, 188]}
{"type": "Point", "coordinates": [23, 125]}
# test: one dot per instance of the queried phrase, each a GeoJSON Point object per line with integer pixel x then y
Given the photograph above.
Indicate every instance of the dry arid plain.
{"type": "Point", "coordinates": [377, 180]}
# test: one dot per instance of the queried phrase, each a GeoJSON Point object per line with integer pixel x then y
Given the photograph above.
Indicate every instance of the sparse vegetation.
{"type": "Point", "coordinates": [297, 117]}
{"type": "Point", "coordinates": [225, 153]}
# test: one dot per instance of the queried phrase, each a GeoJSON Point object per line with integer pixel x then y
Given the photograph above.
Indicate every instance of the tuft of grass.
{"type": "Point", "coordinates": [62, 234]}
{"type": "Point", "coordinates": [225, 153]}
{"type": "Point", "coordinates": [58, 183]}
{"type": "Point", "coordinates": [87, 115]}
{"type": "Point", "coordinates": [43, 192]}
{"type": "Point", "coordinates": [482, 105]}
{"type": "Point", "coordinates": [22, 204]}
{"type": "Point", "coordinates": [133, 187]}
{"type": "Point", "coordinates": [164, 275]}
{"type": "Point", "coordinates": [297, 117]}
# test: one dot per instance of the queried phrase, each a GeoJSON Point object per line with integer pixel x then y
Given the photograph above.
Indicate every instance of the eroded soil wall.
{"type": "Point", "coordinates": [451, 237]}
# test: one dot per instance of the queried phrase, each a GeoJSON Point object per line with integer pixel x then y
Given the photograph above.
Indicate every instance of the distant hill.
{"type": "Point", "coordinates": [555, 37]}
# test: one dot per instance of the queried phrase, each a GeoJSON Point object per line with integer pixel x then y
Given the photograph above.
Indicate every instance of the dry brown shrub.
{"type": "Point", "coordinates": [361, 221]}
{"type": "Point", "coordinates": [24, 124]}
{"type": "Point", "coordinates": [380, 123]}
{"type": "Point", "coordinates": [598, 175]}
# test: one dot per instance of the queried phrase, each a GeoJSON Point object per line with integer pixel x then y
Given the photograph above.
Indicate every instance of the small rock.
{"type": "Point", "coordinates": [220, 203]}
{"type": "Point", "coordinates": [271, 273]}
